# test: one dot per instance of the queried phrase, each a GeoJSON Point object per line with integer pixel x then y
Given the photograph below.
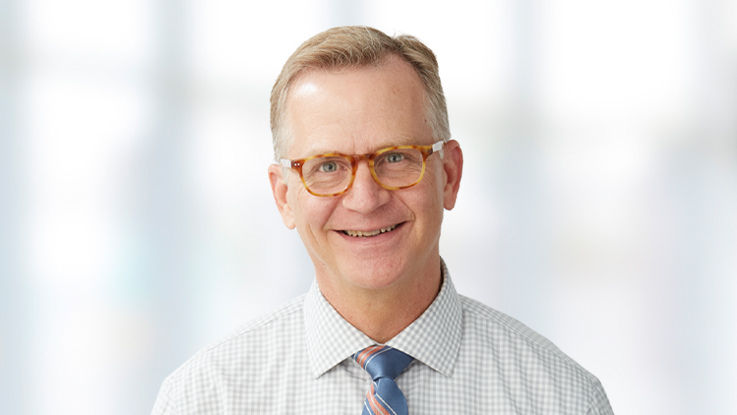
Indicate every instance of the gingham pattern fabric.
{"type": "Point", "coordinates": [383, 364]}
{"type": "Point", "coordinates": [469, 359]}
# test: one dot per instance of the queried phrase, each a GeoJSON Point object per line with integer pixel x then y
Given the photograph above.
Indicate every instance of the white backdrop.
{"type": "Point", "coordinates": [598, 203]}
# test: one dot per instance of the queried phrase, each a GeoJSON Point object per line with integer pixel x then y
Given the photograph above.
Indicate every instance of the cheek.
{"type": "Point", "coordinates": [310, 211]}
{"type": "Point", "coordinates": [426, 202]}
{"type": "Point", "coordinates": [435, 184]}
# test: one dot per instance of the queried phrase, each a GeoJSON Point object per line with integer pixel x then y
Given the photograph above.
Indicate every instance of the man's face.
{"type": "Point", "coordinates": [358, 111]}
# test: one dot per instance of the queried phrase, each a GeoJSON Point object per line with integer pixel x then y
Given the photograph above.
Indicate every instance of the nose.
{"type": "Point", "coordinates": [365, 195]}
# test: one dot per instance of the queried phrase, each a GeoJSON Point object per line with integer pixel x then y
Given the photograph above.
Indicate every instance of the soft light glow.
{"type": "Point", "coordinates": [598, 203]}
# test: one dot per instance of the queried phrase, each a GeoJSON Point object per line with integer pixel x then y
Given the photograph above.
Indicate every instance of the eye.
{"type": "Point", "coordinates": [394, 157]}
{"type": "Point", "coordinates": [328, 167]}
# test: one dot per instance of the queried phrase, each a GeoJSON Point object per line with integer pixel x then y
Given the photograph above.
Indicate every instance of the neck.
{"type": "Point", "coordinates": [381, 314]}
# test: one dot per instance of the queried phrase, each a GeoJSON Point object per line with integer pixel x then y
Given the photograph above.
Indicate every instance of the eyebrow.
{"type": "Point", "coordinates": [398, 141]}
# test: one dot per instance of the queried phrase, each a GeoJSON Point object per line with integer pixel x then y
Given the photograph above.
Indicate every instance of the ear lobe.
{"type": "Point", "coordinates": [453, 167]}
{"type": "Point", "coordinates": [279, 188]}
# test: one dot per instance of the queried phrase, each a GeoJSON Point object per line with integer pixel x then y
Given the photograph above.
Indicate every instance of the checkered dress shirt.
{"type": "Point", "coordinates": [469, 359]}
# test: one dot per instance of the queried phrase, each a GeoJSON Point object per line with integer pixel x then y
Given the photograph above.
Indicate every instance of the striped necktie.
{"type": "Point", "coordinates": [384, 364]}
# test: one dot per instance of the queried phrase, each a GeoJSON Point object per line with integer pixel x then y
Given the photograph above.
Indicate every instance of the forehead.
{"type": "Point", "coordinates": [357, 109]}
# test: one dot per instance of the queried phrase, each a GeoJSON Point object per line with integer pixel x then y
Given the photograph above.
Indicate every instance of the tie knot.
{"type": "Point", "coordinates": [382, 361]}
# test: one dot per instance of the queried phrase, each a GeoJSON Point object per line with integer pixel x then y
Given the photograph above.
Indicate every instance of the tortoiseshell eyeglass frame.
{"type": "Point", "coordinates": [426, 151]}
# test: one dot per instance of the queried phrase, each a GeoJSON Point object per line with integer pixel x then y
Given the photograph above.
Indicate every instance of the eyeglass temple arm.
{"type": "Point", "coordinates": [286, 163]}
{"type": "Point", "coordinates": [437, 147]}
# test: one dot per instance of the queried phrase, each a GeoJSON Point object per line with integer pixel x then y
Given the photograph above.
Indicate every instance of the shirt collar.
{"type": "Point", "coordinates": [330, 338]}
{"type": "Point", "coordinates": [434, 338]}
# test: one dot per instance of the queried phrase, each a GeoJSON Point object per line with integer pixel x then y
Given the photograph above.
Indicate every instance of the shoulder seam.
{"type": "Point", "coordinates": [547, 346]}
{"type": "Point", "coordinates": [293, 306]}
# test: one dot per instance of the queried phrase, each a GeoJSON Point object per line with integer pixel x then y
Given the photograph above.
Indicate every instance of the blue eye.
{"type": "Point", "coordinates": [328, 167]}
{"type": "Point", "coordinates": [394, 157]}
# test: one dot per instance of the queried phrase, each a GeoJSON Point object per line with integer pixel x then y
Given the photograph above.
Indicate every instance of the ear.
{"type": "Point", "coordinates": [453, 167]}
{"type": "Point", "coordinates": [279, 189]}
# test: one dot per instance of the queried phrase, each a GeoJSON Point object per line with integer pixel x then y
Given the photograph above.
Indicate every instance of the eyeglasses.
{"type": "Point", "coordinates": [393, 168]}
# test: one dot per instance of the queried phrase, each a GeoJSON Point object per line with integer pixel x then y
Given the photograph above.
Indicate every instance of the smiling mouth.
{"type": "Point", "coordinates": [368, 234]}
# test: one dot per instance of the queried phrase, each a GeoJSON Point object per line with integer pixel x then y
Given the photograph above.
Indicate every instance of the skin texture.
{"type": "Point", "coordinates": [379, 284]}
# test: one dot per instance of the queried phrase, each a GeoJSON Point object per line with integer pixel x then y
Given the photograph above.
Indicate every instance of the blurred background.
{"type": "Point", "coordinates": [598, 203]}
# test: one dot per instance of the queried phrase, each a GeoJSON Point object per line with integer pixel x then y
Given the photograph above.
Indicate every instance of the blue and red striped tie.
{"type": "Point", "coordinates": [383, 363]}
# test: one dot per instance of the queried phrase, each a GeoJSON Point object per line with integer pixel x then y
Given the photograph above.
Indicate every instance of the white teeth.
{"type": "Point", "coordinates": [362, 234]}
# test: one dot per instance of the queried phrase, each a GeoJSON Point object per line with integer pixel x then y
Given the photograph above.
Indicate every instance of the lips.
{"type": "Point", "coordinates": [368, 234]}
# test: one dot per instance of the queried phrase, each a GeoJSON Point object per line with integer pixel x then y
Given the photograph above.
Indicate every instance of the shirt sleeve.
{"type": "Point", "coordinates": [161, 406]}
{"type": "Point", "coordinates": [598, 401]}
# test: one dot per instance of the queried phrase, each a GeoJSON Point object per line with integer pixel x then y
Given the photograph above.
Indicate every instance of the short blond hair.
{"type": "Point", "coordinates": [356, 46]}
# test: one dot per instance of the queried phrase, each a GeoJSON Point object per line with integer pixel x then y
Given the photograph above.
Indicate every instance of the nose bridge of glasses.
{"type": "Point", "coordinates": [360, 157]}
{"type": "Point", "coordinates": [369, 158]}
{"type": "Point", "coordinates": [365, 191]}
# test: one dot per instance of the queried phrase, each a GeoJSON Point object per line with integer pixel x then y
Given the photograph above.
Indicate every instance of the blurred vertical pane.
{"type": "Point", "coordinates": [14, 293]}
{"type": "Point", "coordinates": [85, 111]}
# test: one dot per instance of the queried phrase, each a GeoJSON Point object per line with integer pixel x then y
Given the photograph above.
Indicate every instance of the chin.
{"type": "Point", "coordinates": [373, 273]}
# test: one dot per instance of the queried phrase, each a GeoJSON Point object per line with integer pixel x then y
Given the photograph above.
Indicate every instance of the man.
{"type": "Point", "coordinates": [366, 169]}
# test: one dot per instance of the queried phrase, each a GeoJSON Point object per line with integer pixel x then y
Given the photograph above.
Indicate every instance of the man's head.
{"type": "Point", "coordinates": [369, 237]}
{"type": "Point", "coordinates": [350, 47]}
